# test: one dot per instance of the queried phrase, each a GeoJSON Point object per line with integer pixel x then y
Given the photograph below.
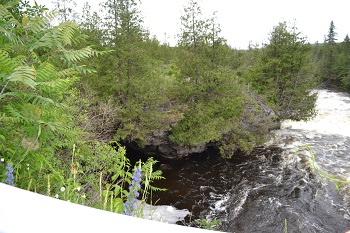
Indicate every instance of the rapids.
{"type": "Point", "coordinates": [275, 189]}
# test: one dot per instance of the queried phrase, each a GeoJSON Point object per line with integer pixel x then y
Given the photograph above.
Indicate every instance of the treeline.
{"type": "Point", "coordinates": [197, 91]}
{"type": "Point", "coordinates": [334, 60]}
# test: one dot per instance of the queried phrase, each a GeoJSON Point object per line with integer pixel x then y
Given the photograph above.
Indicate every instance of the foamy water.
{"type": "Point", "coordinates": [275, 187]}
{"type": "Point", "coordinates": [333, 115]}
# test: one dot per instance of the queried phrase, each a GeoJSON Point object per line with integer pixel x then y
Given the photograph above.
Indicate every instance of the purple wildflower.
{"type": "Point", "coordinates": [130, 206]}
{"type": "Point", "coordinates": [127, 212]}
{"type": "Point", "coordinates": [136, 193]}
{"type": "Point", "coordinates": [10, 179]}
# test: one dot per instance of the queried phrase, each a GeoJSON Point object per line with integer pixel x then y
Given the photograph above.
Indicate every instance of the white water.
{"type": "Point", "coordinates": [275, 186]}
{"type": "Point", "coordinates": [328, 135]}
{"type": "Point", "coordinates": [333, 115]}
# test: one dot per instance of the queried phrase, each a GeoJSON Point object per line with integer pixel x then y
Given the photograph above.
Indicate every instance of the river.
{"type": "Point", "coordinates": [275, 189]}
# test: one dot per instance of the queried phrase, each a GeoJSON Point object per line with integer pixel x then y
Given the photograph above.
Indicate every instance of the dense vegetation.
{"type": "Point", "coordinates": [334, 60]}
{"type": "Point", "coordinates": [196, 91]}
{"type": "Point", "coordinates": [67, 100]}
{"type": "Point", "coordinates": [43, 146]}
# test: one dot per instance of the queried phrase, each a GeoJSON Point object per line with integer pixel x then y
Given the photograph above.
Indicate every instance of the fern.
{"type": "Point", "coordinates": [12, 111]}
{"type": "Point", "coordinates": [66, 73]}
{"type": "Point", "coordinates": [6, 63]}
{"type": "Point", "coordinates": [78, 55]}
{"type": "Point", "coordinates": [64, 34]}
{"type": "Point", "coordinates": [11, 94]}
{"type": "Point", "coordinates": [37, 67]}
{"type": "Point", "coordinates": [38, 24]}
{"type": "Point", "coordinates": [46, 71]}
{"type": "Point", "coordinates": [25, 75]}
{"type": "Point", "coordinates": [45, 41]}
{"type": "Point", "coordinates": [151, 175]}
{"type": "Point", "coordinates": [81, 69]}
{"type": "Point", "coordinates": [34, 56]}
{"type": "Point", "coordinates": [58, 85]}
{"type": "Point", "coordinates": [7, 23]}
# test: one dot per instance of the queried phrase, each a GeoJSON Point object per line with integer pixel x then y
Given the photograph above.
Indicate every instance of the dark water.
{"type": "Point", "coordinates": [255, 194]}
{"type": "Point", "coordinates": [272, 190]}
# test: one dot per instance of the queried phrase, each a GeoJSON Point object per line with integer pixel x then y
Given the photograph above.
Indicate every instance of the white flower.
{"type": "Point", "coordinates": [56, 196]}
{"type": "Point", "coordinates": [63, 189]}
{"type": "Point", "coordinates": [78, 189]}
{"type": "Point", "coordinates": [83, 196]}
{"type": "Point", "coordinates": [2, 160]}
{"type": "Point", "coordinates": [27, 164]}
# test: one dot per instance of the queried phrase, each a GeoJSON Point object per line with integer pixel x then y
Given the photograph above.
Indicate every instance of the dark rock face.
{"type": "Point", "coordinates": [257, 118]}
{"type": "Point", "coordinates": [161, 146]}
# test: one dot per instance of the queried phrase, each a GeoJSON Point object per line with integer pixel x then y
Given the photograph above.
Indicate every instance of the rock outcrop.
{"type": "Point", "coordinates": [257, 119]}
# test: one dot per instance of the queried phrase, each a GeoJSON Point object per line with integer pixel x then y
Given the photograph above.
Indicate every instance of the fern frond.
{"type": "Point", "coordinates": [55, 126]}
{"type": "Point", "coordinates": [40, 100]}
{"type": "Point", "coordinates": [16, 94]}
{"type": "Point", "coordinates": [57, 85]}
{"type": "Point", "coordinates": [82, 69]}
{"type": "Point", "coordinates": [6, 63]}
{"type": "Point", "coordinates": [25, 75]}
{"type": "Point", "coordinates": [46, 71]}
{"type": "Point", "coordinates": [102, 53]}
{"type": "Point", "coordinates": [64, 33]}
{"type": "Point", "coordinates": [34, 56]}
{"type": "Point", "coordinates": [67, 73]}
{"type": "Point", "coordinates": [8, 35]}
{"type": "Point", "coordinates": [46, 41]}
{"type": "Point", "coordinates": [6, 15]}
{"type": "Point", "coordinates": [156, 175]}
{"type": "Point", "coordinates": [28, 98]}
{"type": "Point", "coordinates": [78, 55]}
{"type": "Point", "coordinates": [13, 112]}
{"type": "Point", "coordinates": [38, 24]}
{"type": "Point", "coordinates": [7, 120]}
{"type": "Point", "coordinates": [78, 38]}
{"type": "Point", "coordinates": [157, 189]}
{"type": "Point", "coordinates": [8, 22]}
{"type": "Point", "coordinates": [21, 60]}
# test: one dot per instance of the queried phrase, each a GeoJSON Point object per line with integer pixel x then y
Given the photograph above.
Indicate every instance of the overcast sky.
{"type": "Point", "coordinates": [243, 21]}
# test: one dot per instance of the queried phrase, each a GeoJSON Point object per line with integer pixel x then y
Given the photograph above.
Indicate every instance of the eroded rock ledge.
{"type": "Point", "coordinates": [257, 118]}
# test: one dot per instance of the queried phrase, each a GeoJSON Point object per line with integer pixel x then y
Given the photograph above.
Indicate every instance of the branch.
{"type": "Point", "coordinates": [3, 89]}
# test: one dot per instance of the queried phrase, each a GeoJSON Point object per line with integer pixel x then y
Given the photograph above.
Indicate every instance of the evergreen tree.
{"type": "Point", "coordinates": [207, 87]}
{"type": "Point", "coordinates": [129, 77]}
{"type": "Point", "coordinates": [283, 75]}
{"type": "Point", "coordinates": [329, 73]}
{"type": "Point", "coordinates": [343, 63]}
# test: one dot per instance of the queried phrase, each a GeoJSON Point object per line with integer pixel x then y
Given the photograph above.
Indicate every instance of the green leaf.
{"type": "Point", "coordinates": [118, 205]}
{"type": "Point", "coordinates": [25, 75]}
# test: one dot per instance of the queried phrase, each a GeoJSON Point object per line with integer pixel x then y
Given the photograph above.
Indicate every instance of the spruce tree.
{"type": "Point", "coordinates": [329, 74]}
{"type": "Point", "coordinates": [283, 74]}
